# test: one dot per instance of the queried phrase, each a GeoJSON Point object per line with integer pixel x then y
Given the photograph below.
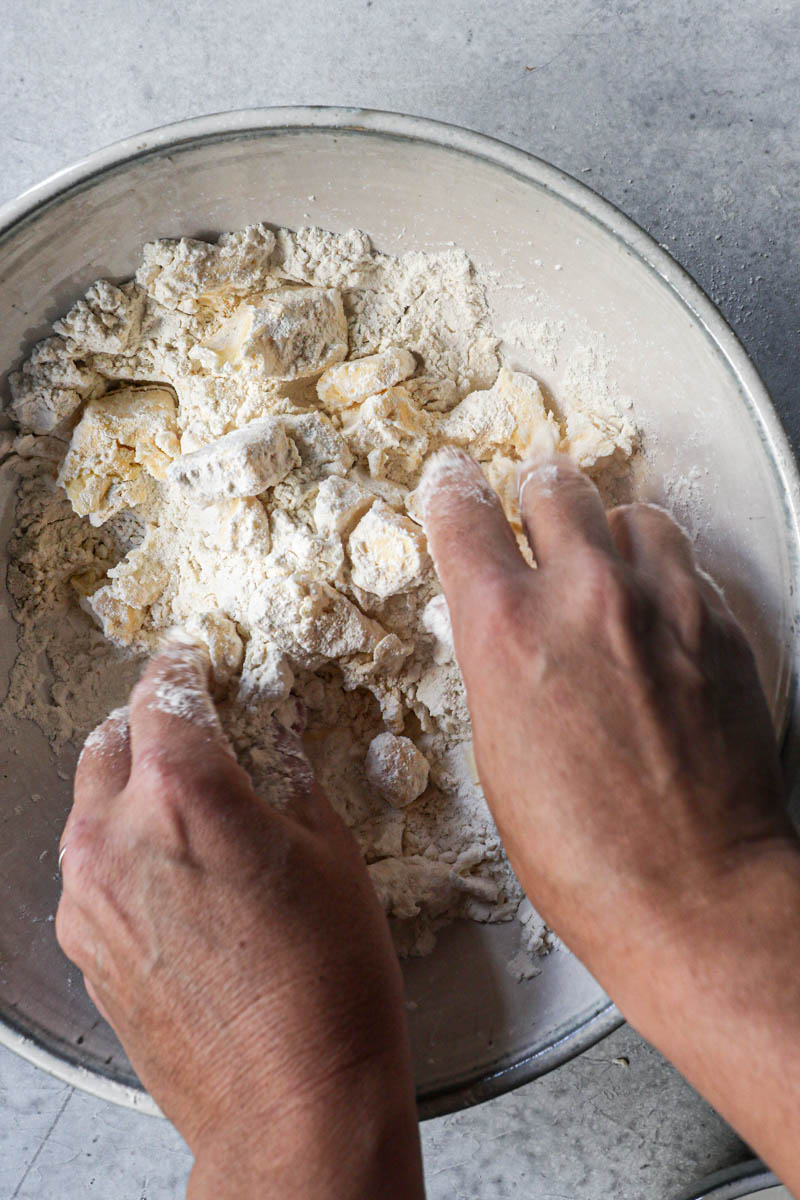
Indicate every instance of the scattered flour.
{"type": "Point", "coordinates": [231, 445]}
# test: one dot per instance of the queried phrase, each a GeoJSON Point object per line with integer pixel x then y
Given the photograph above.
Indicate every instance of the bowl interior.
{"type": "Point", "coordinates": [598, 315]}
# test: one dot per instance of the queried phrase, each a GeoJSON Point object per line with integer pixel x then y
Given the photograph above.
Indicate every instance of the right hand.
{"type": "Point", "coordinates": [621, 734]}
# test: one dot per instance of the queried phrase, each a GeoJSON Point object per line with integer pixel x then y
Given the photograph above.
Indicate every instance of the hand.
{"type": "Point", "coordinates": [239, 953]}
{"type": "Point", "coordinates": [621, 735]}
{"type": "Point", "coordinates": [626, 751]}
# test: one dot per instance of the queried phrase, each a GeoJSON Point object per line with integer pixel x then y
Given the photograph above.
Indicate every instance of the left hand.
{"type": "Point", "coordinates": [239, 953]}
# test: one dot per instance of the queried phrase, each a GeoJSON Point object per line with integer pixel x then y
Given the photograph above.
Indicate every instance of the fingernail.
{"type": "Point", "coordinates": [452, 470]}
{"type": "Point", "coordinates": [541, 470]}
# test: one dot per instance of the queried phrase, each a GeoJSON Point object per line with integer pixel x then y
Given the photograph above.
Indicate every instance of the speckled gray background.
{"type": "Point", "coordinates": [684, 115]}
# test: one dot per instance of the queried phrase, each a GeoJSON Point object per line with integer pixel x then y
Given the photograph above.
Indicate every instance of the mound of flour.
{"type": "Point", "coordinates": [231, 444]}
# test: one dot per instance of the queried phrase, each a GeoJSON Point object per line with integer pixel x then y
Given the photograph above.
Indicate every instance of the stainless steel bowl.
{"type": "Point", "coordinates": [714, 451]}
{"type": "Point", "coordinates": [748, 1181]}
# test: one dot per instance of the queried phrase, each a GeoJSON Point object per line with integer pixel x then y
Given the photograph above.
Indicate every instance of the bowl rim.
{"type": "Point", "coordinates": [574, 192]}
{"type": "Point", "coordinates": [734, 1183]}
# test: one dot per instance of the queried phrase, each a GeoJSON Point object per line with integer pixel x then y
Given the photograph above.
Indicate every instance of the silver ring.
{"type": "Point", "coordinates": [61, 854]}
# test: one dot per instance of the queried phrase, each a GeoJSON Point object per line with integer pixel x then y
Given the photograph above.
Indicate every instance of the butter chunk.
{"type": "Point", "coordinates": [293, 333]}
{"type": "Point", "coordinates": [349, 382]}
{"type": "Point", "coordinates": [227, 547]}
{"type": "Point", "coordinates": [133, 585]}
{"type": "Point", "coordinates": [397, 769]}
{"type": "Point", "coordinates": [323, 258]}
{"type": "Point", "coordinates": [509, 419]}
{"type": "Point", "coordinates": [387, 552]}
{"type": "Point", "coordinates": [119, 621]}
{"type": "Point", "coordinates": [234, 527]}
{"type": "Point", "coordinates": [322, 449]}
{"type": "Point", "coordinates": [120, 441]}
{"type": "Point", "coordinates": [243, 463]}
{"type": "Point", "coordinates": [267, 677]}
{"type": "Point", "coordinates": [501, 473]}
{"type": "Point", "coordinates": [593, 437]}
{"type": "Point", "coordinates": [339, 504]}
{"type": "Point", "coordinates": [311, 621]}
{"type": "Point", "coordinates": [436, 620]}
{"type": "Point", "coordinates": [413, 884]}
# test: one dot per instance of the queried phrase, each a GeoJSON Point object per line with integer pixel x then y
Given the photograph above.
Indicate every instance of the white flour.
{"type": "Point", "coordinates": [196, 454]}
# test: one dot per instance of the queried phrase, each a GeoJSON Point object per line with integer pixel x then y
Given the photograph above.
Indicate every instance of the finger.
{"type": "Point", "coordinates": [561, 510]}
{"type": "Point", "coordinates": [172, 715]}
{"type": "Point", "coordinates": [105, 760]}
{"type": "Point", "coordinates": [468, 534]}
{"type": "Point", "coordinates": [652, 542]}
{"type": "Point", "coordinates": [645, 535]}
{"type": "Point", "coordinates": [292, 786]}
{"type": "Point", "coordinates": [103, 768]}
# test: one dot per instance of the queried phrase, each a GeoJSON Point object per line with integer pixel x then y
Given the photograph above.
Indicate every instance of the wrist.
{"type": "Point", "coordinates": [352, 1135]}
{"type": "Point", "coordinates": [720, 997]}
{"type": "Point", "coordinates": [687, 948]}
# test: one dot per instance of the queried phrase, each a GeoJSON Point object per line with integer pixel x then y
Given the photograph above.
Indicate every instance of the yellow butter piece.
{"type": "Point", "coordinates": [508, 418]}
{"type": "Point", "coordinates": [387, 552]}
{"type": "Point", "coordinates": [121, 439]}
{"type": "Point", "coordinates": [349, 382]}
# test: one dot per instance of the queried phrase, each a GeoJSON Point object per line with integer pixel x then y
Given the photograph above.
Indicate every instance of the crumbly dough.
{"type": "Point", "coordinates": [238, 435]}
{"type": "Point", "coordinates": [397, 769]}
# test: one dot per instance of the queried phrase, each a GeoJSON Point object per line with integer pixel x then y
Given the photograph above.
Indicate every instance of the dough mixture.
{"type": "Point", "coordinates": [231, 444]}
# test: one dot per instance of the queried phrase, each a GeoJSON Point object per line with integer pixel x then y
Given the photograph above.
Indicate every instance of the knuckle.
{"type": "Point", "coordinates": [496, 597]}
{"type": "Point", "coordinates": [161, 777]}
{"type": "Point", "coordinates": [495, 610]}
{"type": "Point", "coordinates": [83, 861]}
{"type": "Point", "coordinates": [604, 588]}
{"type": "Point", "coordinates": [160, 794]}
{"type": "Point", "coordinates": [169, 796]}
{"type": "Point", "coordinates": [687, 608]}
{"type": "Point", "coordinates": [69, 943]}
{"type": "Point", "coordinates": [69, 935]}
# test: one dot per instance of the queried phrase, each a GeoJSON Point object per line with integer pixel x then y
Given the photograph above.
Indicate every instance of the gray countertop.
{"type": "Point", "coordinates": [685, 116]}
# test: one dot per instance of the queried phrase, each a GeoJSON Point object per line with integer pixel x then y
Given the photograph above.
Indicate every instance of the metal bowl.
{"type": "Point", "coordinates": [714, 451]}
{"type": "Point", "coordinates": [748, 1181]}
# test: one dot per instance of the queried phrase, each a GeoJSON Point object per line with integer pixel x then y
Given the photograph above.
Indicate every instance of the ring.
{"type": "Point", "coordinates": [61, 854]}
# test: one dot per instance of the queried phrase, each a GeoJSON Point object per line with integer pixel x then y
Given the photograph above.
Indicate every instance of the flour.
{"type": "Point", "coordinates": [231, 446]}
{"type": "Point", "coordinates": [182, 691]}
{"type": "Point", "coordinates": [106, 738]}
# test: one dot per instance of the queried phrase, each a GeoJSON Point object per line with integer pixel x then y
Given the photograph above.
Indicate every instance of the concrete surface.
{"type": "Point", "coordinates": [685, 116]}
